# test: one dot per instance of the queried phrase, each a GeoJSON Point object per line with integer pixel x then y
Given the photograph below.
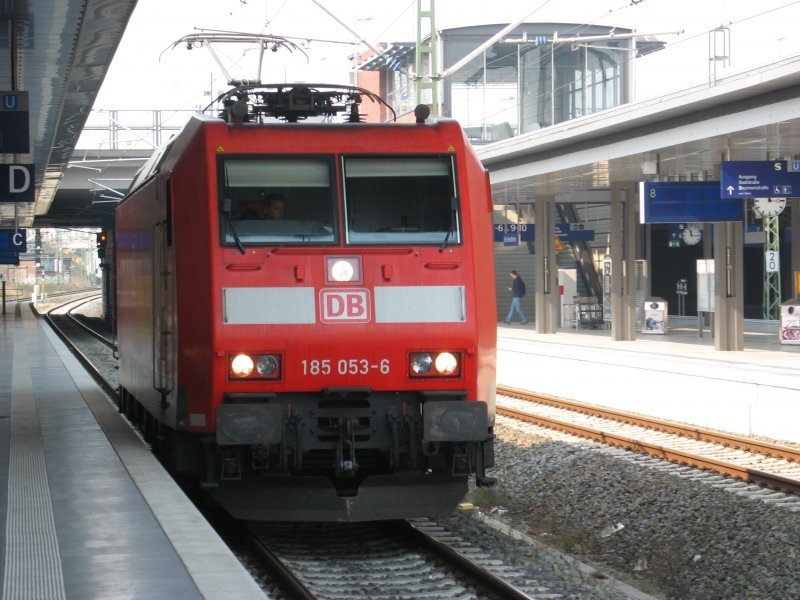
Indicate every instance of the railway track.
{"type": "Point", "coordinates": [763, 463]}
{"type": "Point", "coordinates": [390, 559]}
{"type": "Point", "coordinates": [399, 559]}
{"type": "Point", "coordinates": [93, 326]}
{"type": "Point", "coordinates": [91, 346]}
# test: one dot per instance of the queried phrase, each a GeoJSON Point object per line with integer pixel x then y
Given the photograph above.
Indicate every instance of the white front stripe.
{"type": "Point", "coordinates": [269, 306]}
{"type": "Point", "coordinates": [420, 304]}
{"type": "Point", "coordinates": [298, 305]}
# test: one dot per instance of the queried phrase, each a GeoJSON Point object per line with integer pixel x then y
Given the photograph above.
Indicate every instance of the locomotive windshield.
{"type": "Point", "coordinates": [277, 200]}
{"type": "Point", "coordinates": [291, 200]}
{"type": "Point", "coordinates": [400, 199]}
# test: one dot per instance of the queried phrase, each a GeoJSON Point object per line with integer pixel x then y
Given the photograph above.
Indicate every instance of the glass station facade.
{"type": "Point", "coordinates": [536, 76]}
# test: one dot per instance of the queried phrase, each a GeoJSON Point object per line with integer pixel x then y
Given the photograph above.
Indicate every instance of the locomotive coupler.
{"type": "Point", "coordinates": [346, 463]}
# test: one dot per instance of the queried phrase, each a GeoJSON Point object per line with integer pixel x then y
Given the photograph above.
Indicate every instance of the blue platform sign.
{"type": "Point", "coordinates": [511, 234]}
{"type": "Point", "coordinates": [14, 122]}
{"type": "Point", "coordinates": [497, 232]}
{"type": "Point", "coordinates": [13, 240]}
{"type": "Point", "coordinates": [527, 232]}
{"type": "Point", "coordinates": [687, 202]}
{"type": "Point", "coordinates": [507, 234]}
{"type": "Point", "coordinates": [17, 183]}
{"type": "Point", "coordinates": [758, 179]}
{"type": "Point", "coordinates": [574, 232]}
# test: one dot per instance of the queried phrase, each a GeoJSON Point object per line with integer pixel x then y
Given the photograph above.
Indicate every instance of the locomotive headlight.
{"type": "Point", "coordinates": [254, 366]}
{"type": "Point", "coordinates": [420, 364]}
{"type": "Point", "coordinates": [241, 365]}
{"type": "Point", "coordinates": [267, 365]}
{"type": "Point", "coordinates": [446, 364]}
{"type": "Point", "coordinates": [434, 364]}
{"type": "Point", "coordinates": [343, 269]}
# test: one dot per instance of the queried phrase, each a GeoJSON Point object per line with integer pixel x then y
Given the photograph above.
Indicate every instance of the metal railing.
{"type": "Point", "coordinates": [131, 129]}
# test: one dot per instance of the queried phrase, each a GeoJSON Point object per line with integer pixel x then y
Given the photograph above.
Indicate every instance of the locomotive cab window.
{"type": "Point", "coordinates": [401, 200]}
{"type": "Point", "coordinates": [276, 201]}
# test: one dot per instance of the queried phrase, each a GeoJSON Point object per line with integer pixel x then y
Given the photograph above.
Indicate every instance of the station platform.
{"type": "Point", "coordinates": [677, 375]}
{"type": "Point", "coordinates": [87, 511]}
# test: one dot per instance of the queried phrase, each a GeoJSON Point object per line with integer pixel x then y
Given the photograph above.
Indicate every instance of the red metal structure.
{"type": "Point", "coordinates": [336, 362]}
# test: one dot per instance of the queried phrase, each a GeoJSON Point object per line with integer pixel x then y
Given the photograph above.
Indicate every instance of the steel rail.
{"type": "Point", "coordinates": [756, 476]}
{"type": "Point", "coordinates": [61, 293]}
{"type": "Point", "coordinates": [96, 334]}
{"type": "Point", "coordinates": [277, 569]}
{"type": "Point", "coordinates": [687, 431]}
{"type": "Point", "coordinates": [82, 358]}
{"type": "Point", "coordinates": [490, 582]}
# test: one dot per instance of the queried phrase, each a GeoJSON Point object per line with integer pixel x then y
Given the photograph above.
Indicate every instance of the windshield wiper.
{"type": "Point", "coordinates": [226, 210]}
{"type": "Point", "coordinates": [451, 224]}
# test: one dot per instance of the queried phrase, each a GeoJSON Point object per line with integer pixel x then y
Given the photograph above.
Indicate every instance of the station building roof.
{"type": "Point", "coordinates": [60, 51]}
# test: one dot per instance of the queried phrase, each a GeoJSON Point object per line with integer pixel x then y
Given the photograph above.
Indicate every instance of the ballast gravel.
{"type": "Point", "coordinates": [670, 531]}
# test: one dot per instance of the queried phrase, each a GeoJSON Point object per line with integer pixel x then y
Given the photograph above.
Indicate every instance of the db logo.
{"type": "Point", "coordinates": [344, 306]}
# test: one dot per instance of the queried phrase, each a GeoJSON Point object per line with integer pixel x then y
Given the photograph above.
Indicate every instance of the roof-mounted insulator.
{"type": "Point", "coordinates": [355, 116]}
{"type": "Point", "coordinates": [293, 103]}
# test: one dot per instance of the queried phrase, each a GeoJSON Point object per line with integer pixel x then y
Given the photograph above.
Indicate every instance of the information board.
{"type": "Point", "coordinates": [758, 179]}
{"type": "Point", "coordinates": [686, 202]}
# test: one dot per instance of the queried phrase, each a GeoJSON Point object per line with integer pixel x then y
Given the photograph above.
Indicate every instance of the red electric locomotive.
{"type": "Point", "coordinates": [306, 319]}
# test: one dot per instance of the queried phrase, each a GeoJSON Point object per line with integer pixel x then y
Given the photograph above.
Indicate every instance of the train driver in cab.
{"type": "Point", "coordinates": [269, 206]}
{"type": "Point", "coordinates": [274, 206]}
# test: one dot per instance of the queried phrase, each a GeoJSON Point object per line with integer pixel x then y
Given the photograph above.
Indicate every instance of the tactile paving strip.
{"type": "Point", "coordinates": [33, 564]}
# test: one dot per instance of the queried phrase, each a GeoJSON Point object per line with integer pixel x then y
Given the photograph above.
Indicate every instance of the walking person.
{"type": "Point", "coordinates": [517, 290]}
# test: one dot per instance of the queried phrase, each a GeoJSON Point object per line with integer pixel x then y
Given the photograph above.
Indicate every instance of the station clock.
{"type": "Point", "coordinates": [769, 207]}
{"type": "Point", "coordinates": [692, 234]}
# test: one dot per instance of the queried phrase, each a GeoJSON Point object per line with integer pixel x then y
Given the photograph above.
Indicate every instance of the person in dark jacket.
{"type": "Point", "coordinates": [517, 292]}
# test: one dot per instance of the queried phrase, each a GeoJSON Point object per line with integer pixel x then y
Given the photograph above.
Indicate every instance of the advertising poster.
{"type": "Point", "coordinates": [790, 325]}
{"type": "Point", "coordinates": [655, 315]}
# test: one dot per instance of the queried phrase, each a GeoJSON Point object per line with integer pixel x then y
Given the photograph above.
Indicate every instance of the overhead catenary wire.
{"type": "Point", "coordinates": [359, 36]}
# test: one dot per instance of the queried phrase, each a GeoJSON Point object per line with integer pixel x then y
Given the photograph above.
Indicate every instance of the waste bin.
{"type": "Point", "coordinates": [655, 316]}
{"type": "Point", "coordinates": [790, 322]}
